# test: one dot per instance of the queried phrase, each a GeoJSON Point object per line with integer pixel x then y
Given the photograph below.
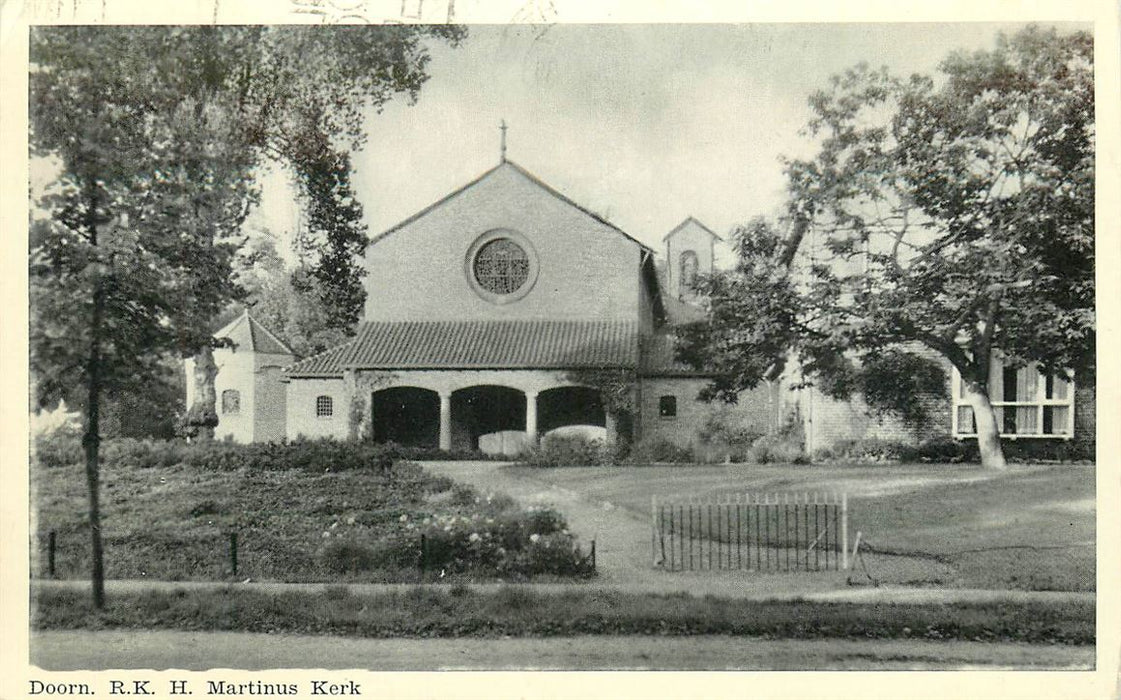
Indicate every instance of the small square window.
{"type": "Point", "coordinates": [667, 407]}
{"type": "Point", "coordinates": [231, 402]}
{"type": "Point", "coordinates": [324, 407]}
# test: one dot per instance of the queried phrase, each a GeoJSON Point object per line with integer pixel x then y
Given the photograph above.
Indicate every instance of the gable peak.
{"type": "Point", "coordinates": [691, 221]}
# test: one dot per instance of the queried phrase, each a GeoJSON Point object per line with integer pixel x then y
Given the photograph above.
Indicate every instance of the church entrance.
{"type": "Point", "coordinates": [481, 411]}
{"type": "Point", "coordinates": [569, 405]}
{"type": "Point", "coordinates": [407, 416]}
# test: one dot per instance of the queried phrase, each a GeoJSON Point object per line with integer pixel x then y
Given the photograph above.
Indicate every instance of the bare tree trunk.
{"type": "Point", "coordinates": [91, 439]}
{"type": "Point", "coordinates": [91, 443]}
{"type": "Point", "coordinates": [988, 432]}
{"type": "Point", "coordinates": [202, 416]}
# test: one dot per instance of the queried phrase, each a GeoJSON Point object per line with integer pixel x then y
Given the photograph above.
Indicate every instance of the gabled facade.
{"type": "Point", "coordinates": [489, 316]}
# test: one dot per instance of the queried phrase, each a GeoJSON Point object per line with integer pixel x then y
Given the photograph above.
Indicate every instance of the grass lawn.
{"type": "Point", "coordinates": [1030, 527]}
{"type": "Point", "coordinates": [521, 611]}
{"type": "Point", "coordinates": [174, 522]}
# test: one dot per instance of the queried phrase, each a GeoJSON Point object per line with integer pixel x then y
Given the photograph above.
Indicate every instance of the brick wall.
{"type": "Point", "coordinates": [1085, 420]}
{"type": "Point", "coordinates": [586, 269]}
{"type": "Point", "coordinates": [270, 397]}
{"type": "Point", "coordinates": [301, 418]}
{"type": "Point", "coordinates": [755, 410]}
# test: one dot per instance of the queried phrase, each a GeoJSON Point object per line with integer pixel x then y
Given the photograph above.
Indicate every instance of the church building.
{"type": "Point", "coordinates": [506, 311]}
{"type": "Point", "coordinates": [492, 315]}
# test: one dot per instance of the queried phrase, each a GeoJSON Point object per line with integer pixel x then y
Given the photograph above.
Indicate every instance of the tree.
{"type": "Point", "coordinates": [290, 302]}
{"type": "Point", "coordinates": [156, 133]}
{"type": "Point", "coordinates": [953, 213]}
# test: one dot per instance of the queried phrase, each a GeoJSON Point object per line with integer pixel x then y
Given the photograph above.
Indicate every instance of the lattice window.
{"type": "Point", "coordinates": [1026, 403]}
{"type": "Point", "coordinates": [231, 402]}
{"type": "Point", "coordinates": [324, 406]}
{"type": "Point", "coordinates": [501, 266]}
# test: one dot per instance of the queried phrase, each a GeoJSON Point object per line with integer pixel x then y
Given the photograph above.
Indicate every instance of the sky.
{"type": "Point", "coordinates": [643, 124]}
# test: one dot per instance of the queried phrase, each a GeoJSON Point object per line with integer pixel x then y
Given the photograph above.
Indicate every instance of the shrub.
{"type": "Point", "coordinates": [57, 450]}
{"type": "Point", "coordinates": [786, 446]}
{"type": "Point", "coordinates": [723, 437]}
{"type": "Point", "coordinates": [516, 544]}
{"type": "Point", "coordinates": [940, 449]}
{"type": "Point", "coordinates": [862, 450]}
{"type": "Point", "coordinates": [568, 451]}
{"type": "Point", "coordinates": [655, 450]}
{"type": "Point", "coordinates": [60, 448]}
{"type": "Point", "coordinates": [347, 557]}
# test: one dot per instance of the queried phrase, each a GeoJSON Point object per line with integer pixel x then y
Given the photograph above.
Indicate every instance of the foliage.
{"type": "Point", "coordinates": [863, 451]}
{"type": "Point", "coordinates": [787, 445]}
{"type": "Point", "coordinates": [286, 301]}
{"type": "Point", "coordinates": [568, 451]}
{"type": "Point", "coordinates": [956, 213]}
{"type": "Point", "coordinates": [616, 387]}
{"type": "Point", "coordinates": [753, 320]}
{"type": "Point", "coordinates": [659, 450]}
{"type": "Point", "coordinates": [320, 455]}
{"type": "Point", "coordinates": [723, 437]}
{"type": "Point", "coordinates": [509, 543]}
{"type": "Point", "coordinates": [450, 611]}
{"type": "Point", "coordinates": [155, 134]}
{"type": "Point", "coordinates": [893, 381]}
{"type": "Point", "coordinates": [310, 511]}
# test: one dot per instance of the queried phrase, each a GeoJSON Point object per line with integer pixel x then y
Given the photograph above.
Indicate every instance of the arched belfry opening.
{"type": "Point", "coordinates": [406, 415]}
{"type": "Point", "coordinates": [690, 251]}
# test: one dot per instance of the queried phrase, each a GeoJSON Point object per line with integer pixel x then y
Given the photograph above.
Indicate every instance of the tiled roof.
{"type": "Point", "coordinates": [658, 358]}
{"type": "Point", "coordinates": [529, 344]}
{"type": "Point", "coordinates": [325, 364]}
{"type": "Point", "coordinates": [247, 333]}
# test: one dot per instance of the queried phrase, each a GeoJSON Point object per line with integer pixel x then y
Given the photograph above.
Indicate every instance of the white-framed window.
{"type": "Point", "coordinates": [324, 407]}
{"type": "Point", "coordinates": [1027, 404]}
{"type": "Point", "coordinates": [231, 402]}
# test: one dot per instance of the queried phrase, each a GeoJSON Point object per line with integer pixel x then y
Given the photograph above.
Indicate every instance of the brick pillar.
{"type": "Point", "coordinates": [445, 420]}
{"type": "Point", "coordinates": [531, 418]}
{"type": "Point", "coordinates": [611, 423]}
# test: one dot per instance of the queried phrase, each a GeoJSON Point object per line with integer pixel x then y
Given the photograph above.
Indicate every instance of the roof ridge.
{"type": "Point", "coordinates": [549, 189]}
{"type": "Point", "coordinates": [696, 221]}
{"type": "Point", "coordinates": [254, 322]}
{"type": "Point", "coordinates": [225, 330]}
{"type": "Point", "coordinates": [568, 200]}
{"type": "Point", "coordinates": [454, 193]}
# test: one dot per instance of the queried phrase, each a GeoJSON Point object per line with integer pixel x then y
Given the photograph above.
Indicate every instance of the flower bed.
{"type": "Point", "coordinates": [316, 511]}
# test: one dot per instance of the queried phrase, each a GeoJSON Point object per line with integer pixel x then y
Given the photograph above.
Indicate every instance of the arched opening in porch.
{"type": "Point", "coordinates": [406, 415]}
{"type": "Point", "coordinates": [569, 405]}
{"type": "Point", "coordinates": [485, 410]}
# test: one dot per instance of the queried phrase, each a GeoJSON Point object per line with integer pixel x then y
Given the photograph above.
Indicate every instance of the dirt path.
{"type": "Point", "coordinates": [623, 541]}
{"type": "Point", "coordinates": [72, 650]}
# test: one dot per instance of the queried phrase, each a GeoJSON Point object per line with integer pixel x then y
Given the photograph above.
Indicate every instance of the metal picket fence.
{"type": "Point", "coordinates": [751, 531]}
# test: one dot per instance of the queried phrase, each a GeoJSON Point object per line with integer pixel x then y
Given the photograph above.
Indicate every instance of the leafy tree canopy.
{"type": "Point", "coordinates": [954, 211]}
{"type": "Point", "coordinates": [157, 133]}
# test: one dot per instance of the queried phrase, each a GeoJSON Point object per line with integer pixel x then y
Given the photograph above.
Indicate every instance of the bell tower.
{"type": "Point", "coordinates": [690, 248]}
